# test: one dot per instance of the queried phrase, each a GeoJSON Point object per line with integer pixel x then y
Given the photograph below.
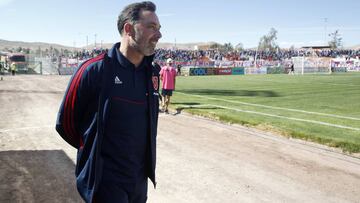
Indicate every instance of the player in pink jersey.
{"type": "Point", "coordinates": [167, 76]}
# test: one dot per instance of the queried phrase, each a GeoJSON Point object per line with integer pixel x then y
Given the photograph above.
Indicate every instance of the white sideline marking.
{"type": "Point", "coordinates": [273, 107]}
{"type": "Point", "coordinates": [277, 116]}
{"type": "Point", "coordinates": [26, 128]}
{"type": "Point", "coordinates": [350, 85]}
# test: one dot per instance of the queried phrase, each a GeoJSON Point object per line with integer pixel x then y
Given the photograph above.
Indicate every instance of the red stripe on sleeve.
{"type": "Point", "coordinates": [69, 106]}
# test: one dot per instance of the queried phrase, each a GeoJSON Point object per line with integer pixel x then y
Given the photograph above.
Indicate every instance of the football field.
{"type": "Point", "coordinates": [320, 108]}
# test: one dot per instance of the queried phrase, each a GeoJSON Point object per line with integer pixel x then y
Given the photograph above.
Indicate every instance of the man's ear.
{"type": "Point", "coordinates": [128, 29]}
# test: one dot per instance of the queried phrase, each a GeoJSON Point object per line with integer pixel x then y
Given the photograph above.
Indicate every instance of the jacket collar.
{"type": "Point", "coordinates": [114, 53]}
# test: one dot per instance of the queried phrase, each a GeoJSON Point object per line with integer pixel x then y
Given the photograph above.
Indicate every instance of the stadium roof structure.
{"type": "Point", "coordinates": [316, 47]}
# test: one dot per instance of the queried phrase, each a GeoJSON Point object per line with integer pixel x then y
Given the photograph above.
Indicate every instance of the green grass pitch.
{"type": "Point", "coordinates": [321, 108]}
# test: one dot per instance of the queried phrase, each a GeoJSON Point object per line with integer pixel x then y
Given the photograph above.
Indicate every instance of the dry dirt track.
{"type": "Point", "coordinates": [198, 160]}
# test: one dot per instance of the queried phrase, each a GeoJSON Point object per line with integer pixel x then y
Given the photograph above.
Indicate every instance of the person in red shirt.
{"type": "Point", "coordinates": [167, 76]}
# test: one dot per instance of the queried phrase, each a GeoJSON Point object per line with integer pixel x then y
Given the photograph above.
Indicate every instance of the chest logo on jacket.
{"type": "Point", "coordinates": [118, 81]}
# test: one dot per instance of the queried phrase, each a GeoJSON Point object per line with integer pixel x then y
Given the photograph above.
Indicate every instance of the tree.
{"type": "Point", "coordinates": [228, 47]}
{"type": "Point", "coordinates": [56, 52]}
{"type": "Point", "coordinates": [38, 51]}
{"type": "Point", "coordinates": [215, 46]}
{"type": "Point", "coordinates": [19, 49]}
{"type": "Point", "coordinates": [268, 42]}
{"type": "Point", "coordinates": [225, 47]}
{"type": "Point", "coordinates": [336, 40]}
{"type": "Point", "coordinates": [239, 47]}
{"type": "Point", "coordinates": [26, 50]}
{"type": "Point", "coordinates": [67, 53]}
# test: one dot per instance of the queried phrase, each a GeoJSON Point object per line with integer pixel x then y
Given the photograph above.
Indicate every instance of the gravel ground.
{"type": "Point", "coordinates": [199, 160]}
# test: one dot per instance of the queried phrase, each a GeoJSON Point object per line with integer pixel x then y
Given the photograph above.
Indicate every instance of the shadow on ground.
{"type": "Point", "coordinates": [249, 93]}
{"type": "Point", "coordinates": [185, 103]}
{"type": "Point", "coordinates": [37, 176]}
{"type": "Point", "coordinates": [189, 105]}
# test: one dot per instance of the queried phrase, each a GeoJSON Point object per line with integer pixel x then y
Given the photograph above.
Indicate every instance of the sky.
{"type": "Point", "coordinates": [73, 22]}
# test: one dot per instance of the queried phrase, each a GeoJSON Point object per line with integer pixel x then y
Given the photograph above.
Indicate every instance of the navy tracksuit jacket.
{"type": "Point", "coordinates": [84, 112]}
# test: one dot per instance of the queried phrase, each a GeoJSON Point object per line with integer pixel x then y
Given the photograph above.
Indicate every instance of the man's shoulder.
{"type": "Point", "coordinates": [91, 69]}
{"type": "Point", "coordinates": [94, 64]}
{"type": "Point", "coordinates": [95, 61]}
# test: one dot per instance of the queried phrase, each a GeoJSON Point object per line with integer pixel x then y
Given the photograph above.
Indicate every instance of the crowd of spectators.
{"type": "Point", "coordinates": [278, 55]}
{"type": "Point", "coordinates": [244, 55]}
{"type": "Point", "coordinates": [179, 55]}
{"type": "Point", "coordinates": [85, 54]}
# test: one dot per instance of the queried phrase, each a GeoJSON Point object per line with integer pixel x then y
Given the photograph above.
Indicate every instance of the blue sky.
{"type": "Point", "coordinates": [298, 23]}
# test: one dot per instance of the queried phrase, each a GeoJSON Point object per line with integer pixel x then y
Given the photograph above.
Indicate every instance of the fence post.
{"type": "Point", "coordinates": [41, 68]}
{"type": "Point", "coordinates": [302, 65]}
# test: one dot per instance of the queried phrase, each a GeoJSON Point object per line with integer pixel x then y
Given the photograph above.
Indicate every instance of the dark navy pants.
{"type": "Point", "coordinates": [113, 192]}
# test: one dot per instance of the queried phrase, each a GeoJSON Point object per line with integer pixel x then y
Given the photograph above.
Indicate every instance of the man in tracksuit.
{"type": "Point", "coordinates": [110, 112]}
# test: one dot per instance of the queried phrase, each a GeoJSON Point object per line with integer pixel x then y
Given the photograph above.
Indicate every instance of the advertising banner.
{"type": "Point", "coordinates": [201, 63]}
{"type": "Point", "coordinates": [238, 71]}
{"type": "Point", "coordinates": [197, 71]}
{"type": "Point", "coordinates": [223, 71]}
{"type": "Point", "coordinates": [350, 65]}
{"type": "Point", "coordinates": [222, 64]}
{"type": "Point", "coordinates": [211, 71]}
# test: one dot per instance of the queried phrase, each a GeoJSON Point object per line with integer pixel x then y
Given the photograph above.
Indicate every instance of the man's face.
{"type": "Point", "coordinates": [147, 33]}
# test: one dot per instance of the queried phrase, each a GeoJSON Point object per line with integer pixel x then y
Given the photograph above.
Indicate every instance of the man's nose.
{"type": "Point", "coordinates": [158, 34]}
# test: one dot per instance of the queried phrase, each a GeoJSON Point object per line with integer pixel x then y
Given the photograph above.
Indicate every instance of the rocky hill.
{"type": "Point", "coordinates": [31, 45]}
{"type": "Point", "coordinates": [5, 44]}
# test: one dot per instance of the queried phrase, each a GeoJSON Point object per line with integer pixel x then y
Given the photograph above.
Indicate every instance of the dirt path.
{"type": "Point", "coordinates": [198, 160]}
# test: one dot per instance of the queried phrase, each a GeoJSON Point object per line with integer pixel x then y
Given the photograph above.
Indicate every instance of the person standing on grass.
{"type": "Point", "coordinates": [167, 76]}
{"type": "Point", "coordinates": [292, 70]}
{"type": "Point", "coordinates": [179, 69]}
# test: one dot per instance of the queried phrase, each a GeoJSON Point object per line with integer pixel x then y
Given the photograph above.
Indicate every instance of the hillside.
{"type": "Point", "coordinates": [357, 47]}
{"type": "Point", "coordinates": [164, 45]}
{"type": "Point", "coordinates": [35, 45]}
{"type": "Point", "coordinates": [31, 45]}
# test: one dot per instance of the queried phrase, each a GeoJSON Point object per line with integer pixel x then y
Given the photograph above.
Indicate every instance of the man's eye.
{"type": "Point", "coordinates": [154, 27]}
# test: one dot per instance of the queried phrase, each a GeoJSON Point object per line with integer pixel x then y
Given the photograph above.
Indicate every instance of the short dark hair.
{"type": "Point", "coordinates": [131, 13]}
